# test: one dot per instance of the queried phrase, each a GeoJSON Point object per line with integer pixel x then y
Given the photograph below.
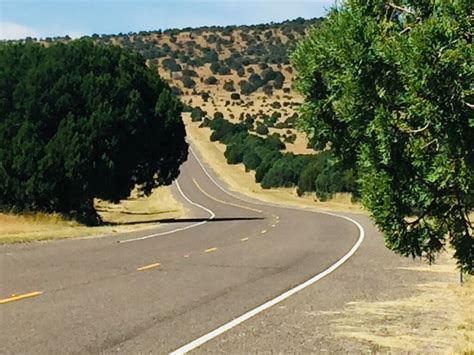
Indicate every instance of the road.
{"type": "Point", "coordinates": [158, 290]}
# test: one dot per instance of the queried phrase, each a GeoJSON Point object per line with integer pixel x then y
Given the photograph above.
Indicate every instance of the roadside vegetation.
{"type": "Point", "coordinates": [317, 173]}
{"type": "Point", "coordinates": [401, 113]}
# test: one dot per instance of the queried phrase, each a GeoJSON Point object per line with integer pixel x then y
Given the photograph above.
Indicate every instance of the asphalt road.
{"type": "Point", "coordinates": [158, 290]}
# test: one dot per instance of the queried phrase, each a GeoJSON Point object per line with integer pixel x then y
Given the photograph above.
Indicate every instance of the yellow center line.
{"type": "Point", "coordinates": [244, 239]}
{"type": "Point", "coordinates": [225, 202]}
{"type": "Point", "coordinates": [210, 250]}
{"type": "Point", "coordinates": [20, 297]}
{"type": "Point", "coordinates": [147, 267]}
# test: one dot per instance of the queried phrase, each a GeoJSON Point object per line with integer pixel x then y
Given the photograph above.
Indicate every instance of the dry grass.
{"type": "Point", "coordinates": [439, 318]}
{"type": "Point", "coordinates": [244, 182]}
{"type": "Point", "coordinates": [135, 213]}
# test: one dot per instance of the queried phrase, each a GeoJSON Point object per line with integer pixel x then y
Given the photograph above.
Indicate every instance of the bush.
{"type": "Point", "coordinates": [197, 114]}
{"type": "Point", "coordinates": [279, 80]}
{"type": "Point", "coordinates": [235, 96]}
{"type": "Point", "coordinates": [223, 70]}
{"type": "Point", "coordinates": [285, 172]}
{"type": "Point", "coordinates": [229, 86]}
{"type": "Point", "coordinates": [189, 72]}
{"type": "Point", "coordinates": [188, 82]}
{"type": "Point", "coordinates": [171, 65]}
{"type": "Point", "coordinates": [212, 80]}
{"type": "Point", "coordinates": [205, 96]}
{"type": "Point", "coordinates": [251, 160]}
{"type": "Point", "coordinates": [262, 129]}
{"type": "Point", "coordinates": [274, 142]}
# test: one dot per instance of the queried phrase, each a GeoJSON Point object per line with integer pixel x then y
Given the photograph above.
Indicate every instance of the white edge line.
{"type": "Point", "coordinates": [211, 213]}
{"type": "Point", "coordinates": [216, 332]}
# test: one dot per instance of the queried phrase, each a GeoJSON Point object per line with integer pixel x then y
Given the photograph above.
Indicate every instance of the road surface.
{"type": "Point", "coordinates": [159, 290]}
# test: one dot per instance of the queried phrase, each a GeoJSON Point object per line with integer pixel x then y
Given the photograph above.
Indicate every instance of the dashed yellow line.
{"type": "Point", "coordinates": [147, 267]}
{"type": "Point", "coordinates": [225, 202]}
{"type": "Point", "coordinates": [210, 250]}
{"type": "Point", "coordinates": [14, 298]}
{"type": "Point", "coordinates": [244, 239]}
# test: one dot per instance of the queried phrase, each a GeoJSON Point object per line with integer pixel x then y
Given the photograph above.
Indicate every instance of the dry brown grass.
{"type": "Point", "coordinates": [439, 318]}
{"type": "Point", "coordinates": [135, 213]}
{"type": "Point", "coordinates": [244, 182]}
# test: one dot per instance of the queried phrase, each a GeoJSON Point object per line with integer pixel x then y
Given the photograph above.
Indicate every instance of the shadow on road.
{"type": "Point", "coordinates": [188, 220]}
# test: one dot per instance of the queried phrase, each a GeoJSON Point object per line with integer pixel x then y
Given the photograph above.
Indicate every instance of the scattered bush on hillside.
{"type": "Point", "coordinates": [197, 114]}
{"type": "Point", "coordinates": [229, 86]}
{"type": "Point", "coordinates": [188, 83]}
{"type": "Point", "coordinates": [235, 96]}
{"type": "Point", "coordinates": [212, 80]}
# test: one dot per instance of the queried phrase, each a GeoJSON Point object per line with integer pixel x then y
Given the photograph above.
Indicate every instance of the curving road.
{"type": "Point", "coordinates": [173, 287]}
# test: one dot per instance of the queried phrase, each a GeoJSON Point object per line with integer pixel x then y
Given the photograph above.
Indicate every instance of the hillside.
{"type": "Point", "coordinates": [241, 71]}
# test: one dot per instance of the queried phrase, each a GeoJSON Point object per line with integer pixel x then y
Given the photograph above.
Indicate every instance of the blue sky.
{"type": "Point", "coordinates": [43, 18]}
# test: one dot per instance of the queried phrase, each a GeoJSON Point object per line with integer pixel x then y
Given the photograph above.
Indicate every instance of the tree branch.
{"type": "Point", "coordinates": [401, 8]}
{"type": "Point", "coordinates": [418, 130]}
{"type": "Point", "coordinates": [405, 30]}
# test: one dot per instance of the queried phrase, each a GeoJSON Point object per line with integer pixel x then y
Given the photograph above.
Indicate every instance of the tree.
{"type": "Point", "coordinates": [188, 82]}
{"type": "Point", "coordinates": [235, 96]}
{"type": "Point", "coordinates": [69, 115]}
{"type": "Point", "coordinates": [262, 129]}
{"type": "Point", "coordinates": [229, 86]}
{"type": "Point", "coordinates": [212, 80]}
{"type": "Point", "coordinates": [389, 87]}
{"type": "Point", "coordinates": [197, 114]}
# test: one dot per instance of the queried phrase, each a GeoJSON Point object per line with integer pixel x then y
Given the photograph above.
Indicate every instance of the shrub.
{"type": "Point", "coordinates": [205, 96]}
{"type": "Point", "coordinates": [197, 114]}
{"type": "Point", "coordinates": [235, 96]}
{"type": "Point", "coordinates": [223, 70]}
{"type": "Point", "coordinates": [229, 86]}
{"type": "Point", "coordinates": [212, 80]}
{"type": "Point", "coordinates": [262, 129]}
{"type": "Point", "coordinates": [188, 82]}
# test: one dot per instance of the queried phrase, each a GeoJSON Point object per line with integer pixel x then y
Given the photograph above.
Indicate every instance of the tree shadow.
{"type": "Point", "coordinates": [186, 220]}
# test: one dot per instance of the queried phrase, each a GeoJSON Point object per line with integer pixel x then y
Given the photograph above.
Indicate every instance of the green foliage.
{"type": "Point", "coordinates": [197, 114]}
{"type": "Point", "coordinates": [212, 80]}
{"type": "Point", "coordinates": [279, 81]}
{"type": "Point", "coordinates": [229, 86]}
{"type": "Point", "coordinates": [83, 121]}
{"type": "Point", "coordinates": [390, 88]}
{"type": "Point", "coordinates": [272, 168]}
{"type": "Point", "coordinates": [262, 129]}
{"type": "Point", "coordinates": [235, 96]}
{"type": "Point", "coordinates": [171, 65]}
{"type": "Point", "coordinates": [285, 172]}
{"type": "Point", "coordinates": [188, 82]}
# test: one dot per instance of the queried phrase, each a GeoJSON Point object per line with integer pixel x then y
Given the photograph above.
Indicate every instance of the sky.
{"type": "Point", "coordinates": [50, 18]}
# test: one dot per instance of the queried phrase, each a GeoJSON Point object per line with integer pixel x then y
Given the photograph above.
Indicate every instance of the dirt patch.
{"type": "Point", "coordinates": [438, 318]}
